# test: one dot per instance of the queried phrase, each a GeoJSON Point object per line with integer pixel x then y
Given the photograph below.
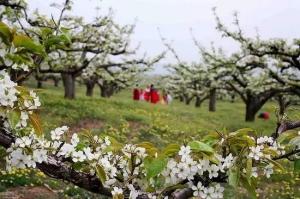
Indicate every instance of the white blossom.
{"type": "Point", "coordinates": [268, 170]}
{"type": "Point", "coordinates": [255, 152]}
{"type": "Point", "coordinates": [116, 191]}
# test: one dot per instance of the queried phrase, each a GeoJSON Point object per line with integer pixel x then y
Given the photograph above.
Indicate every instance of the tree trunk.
{"type": "Point", "coordinates": [198, 101]}
{"type": "Point", "coordinates": [232, 98]}
{"type": "Point", "coordinates": [253, 105]}
{"type": "Point", "coordinates": [90, 84]}
{"type": "Point", "coordinates": [188, 100]}
{"type": "Point", "coordinates": [56, 81]}
{"type": "Point", "coordinates": [212, 100]}
{"type": "Point", "coordinates": [69, 85]}
{"type": "Point", "coordinates": [282, 104]}
{"type": "Point", "coordinates": [39, 84]}
{"type": "Point", "coordinates": [181, 98]}
{"type": "Point", "coordinates": [103, 91]}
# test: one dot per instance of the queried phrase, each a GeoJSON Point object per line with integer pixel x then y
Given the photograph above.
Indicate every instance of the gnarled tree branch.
{"type": "Point", "coordinates": [60, 170]}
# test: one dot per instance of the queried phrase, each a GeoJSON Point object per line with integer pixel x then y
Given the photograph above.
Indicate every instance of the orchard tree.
{"type": "Point", "coordinates": [112, 76]}
{"type": "Point", "coordinates": [202, 79]}
{"type": "Point", "coordinates": [248, 77]}
{"type": "Point", "coordinates": [281, 55]}
{"type": "Point", "coordinates": [187, 82]}
{"type": "Point", "coordinates": [89, 41]}
{"type": "Point", "coordinates": [36, 34]}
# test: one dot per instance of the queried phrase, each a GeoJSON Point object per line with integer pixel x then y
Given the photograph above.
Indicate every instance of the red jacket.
{"type": "Point", "coordinates": [154, 96]}
{"type": "Point", "coordinates": [136, 94]}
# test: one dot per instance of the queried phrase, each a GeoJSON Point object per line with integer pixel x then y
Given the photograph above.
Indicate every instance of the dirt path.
{"type": "Point", "coordinates": [29, 193]}
{"type": "Point", "coordinates": [86, 124]}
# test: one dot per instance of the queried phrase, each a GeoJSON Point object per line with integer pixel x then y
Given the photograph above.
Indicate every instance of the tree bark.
{"type": "Point", "coordinates": [253, 105]}
{"type": "Point", "coordinates": [104, 91]}
{"type": "Point", "coordinates": [69, 85]}
{"type": "Point", "coordinates": [212, 100]}
{"type": "Point", "coordinates": [282, 104]}
{"type": "Point", "coordinates": [90, 84]}
{"type": "Point", "coordinates": [56, 82]}
{"type": "Point", "coordinates": [188, 100]}
{"type": "Point", "coordinates": [198, 101]}
{"type": "Point", "coordinates": [39, 84]}
{"type": "Point", "coordinates": [181, 98]}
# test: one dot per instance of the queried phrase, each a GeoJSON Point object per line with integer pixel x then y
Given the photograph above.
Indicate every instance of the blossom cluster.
{"type": "Point", "coordinates": [8, 92]}
{"type": "Point", "coordinates": [187, 168]}
{"type": "Point", "coordinates": [27, 151]}
{"type": "Point", "coordinates": [11, 98]}
{"type": "Point", "coordinates": [211, 192]}
{"type": "Point", "coordinates": [257, 153]}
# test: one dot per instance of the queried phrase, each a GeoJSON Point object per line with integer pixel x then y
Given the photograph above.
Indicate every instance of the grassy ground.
{"type": "Point", "coordinates": [177, 116]}
{"type": "Point", "coordinates": [160, 124]}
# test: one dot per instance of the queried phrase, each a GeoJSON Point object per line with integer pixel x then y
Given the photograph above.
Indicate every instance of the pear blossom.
{"type": "Point", "coordinates": [58, 132]}
{"type": "Point", "coordinates": [40, 155]}
{"type": "Point", "coordinates": [184, 152]}
{"type": "Point", "coordinates": [268, 170]}
{"type": "Point", "coordinates": [74, 139]}
{"type": "Point", "coordinates": [78, 156]}
{"type": "Point", "coordinates": [23, 141]}
{"type": "Point", "coordinates": [116, 191]}
{"type": "Point", "coordinates": [133, 193]}
{"type": "Point", "coordinates": [255, 152]}
{"type": "Point", "coordinates": [254, 172]}
{"type": "Point", "coordinates": [8, 91]}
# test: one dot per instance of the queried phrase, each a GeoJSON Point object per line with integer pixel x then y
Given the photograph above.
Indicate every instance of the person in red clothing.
{"type": "Point", "coordinates": [136, 94]}
{"type": "Point", "coordinates": [264, 115]}
{"type": "Point", "coordinates": [154, 95]}
{"type": "Point", "coordinates": [142, 95]}
{"type": "Point", "coordinates": [147, 94]}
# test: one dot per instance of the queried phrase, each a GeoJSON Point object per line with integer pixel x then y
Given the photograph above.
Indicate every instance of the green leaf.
{"type": "Point", "coordinates": [285, 137]}
{"type": "Point", "coordinates": [27, 43]}
{"type": "Point", "coordinates": [245, 131]}
{"type": "Point", "coordinates": [150, 148]}
{"type": "Point", "coordinates": [233, 177]}
{"type": "Point", "coordinates": [212, 138]}
{"type": "Point", "coordinates": [115, 146]}
{"type": "Point", "coordinates": [198, 146]}
{"type": "Point", "coordinates": [155, 166]}
{"type": "Point", "coordinates": [249, 186]}
{"type": "Point", "coordinates": [249, 169]}
{"type": "Point", "coordinates": [295, 141]}
{"type": "Point", "coordinates": [36, 124]}
{"type": "Point", "coordinates": [297, 165]}
{"type": "Point", "coordinates": [5, 33]}
{"type": "Point", "coordinates": [277, 164]}
{"type": "Point", "coordinates": [101, 173]}
{"type": "Point", "coordinates": [171, 150]}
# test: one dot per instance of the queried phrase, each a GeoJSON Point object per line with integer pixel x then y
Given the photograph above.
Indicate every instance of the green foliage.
{"type": "Point", "coordinates": [154, 166]}
{"type": "Point", "coordinates": [5, 33]}
{"type": "Point", "coordinates": [24, 42]}
{"type": "Point", "coordinates": [101, 173]}
{"type": "Point", "coordinates": [297, 165]}
{"type": "Point", "coordinates": [198, 146]}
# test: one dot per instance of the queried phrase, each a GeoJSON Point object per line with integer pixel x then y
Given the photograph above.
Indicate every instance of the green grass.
{"type": "Point", "coordinates": [193, 121]}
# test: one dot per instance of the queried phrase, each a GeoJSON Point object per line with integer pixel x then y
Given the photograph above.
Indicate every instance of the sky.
{"type": "Point", "coordinates": [174, 19]}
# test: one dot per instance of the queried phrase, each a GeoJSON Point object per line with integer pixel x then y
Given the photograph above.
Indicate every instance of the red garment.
{"type": "Point", "coordinates": [266, 115]}
{"type": "Point", "coordinates": [147, 96]}
{"type": "Point", "coordinates": [154, 96]}
{"type": "Point", "coordinates": [136, 94]}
